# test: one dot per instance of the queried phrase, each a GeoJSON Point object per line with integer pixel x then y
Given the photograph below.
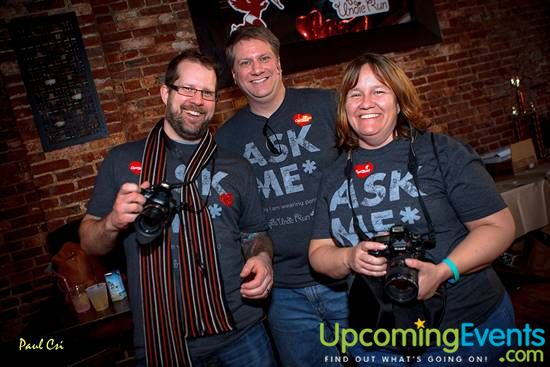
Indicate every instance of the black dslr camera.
{"type": "Point", "coordinates": [401, 282]}
{"type": "Point", "coordinates": [159, 209]}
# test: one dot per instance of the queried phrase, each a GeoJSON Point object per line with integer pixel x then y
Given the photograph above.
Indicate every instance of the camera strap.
{"type": "Point", "coordinates": [412, 166]}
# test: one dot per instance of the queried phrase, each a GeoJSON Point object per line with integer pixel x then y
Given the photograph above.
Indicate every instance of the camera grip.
{"type": "Point", "coordinates": [377, 253]}
{"type": "Point", "coordinates": [382, 239]}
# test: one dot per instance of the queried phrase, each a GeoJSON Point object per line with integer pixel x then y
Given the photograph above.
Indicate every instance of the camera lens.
{"type": "Point", "coordinates": [158, 210]}
{"type": "Point", "coordinates": [150, 223]}
{"type": "Point", "coordinates": [153, 217]}
{"type": "Point", "coordinates": [401, 283]}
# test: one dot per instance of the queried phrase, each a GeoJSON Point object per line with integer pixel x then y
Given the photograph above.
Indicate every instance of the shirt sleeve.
{"type": "Point", "coordinates": [471, 190]}
{"type": "Point", "coordinates": [105, 188]}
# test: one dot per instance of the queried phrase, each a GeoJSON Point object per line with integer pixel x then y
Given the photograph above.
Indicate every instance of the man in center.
{"type": "Point", "coordinates": [288, 136]}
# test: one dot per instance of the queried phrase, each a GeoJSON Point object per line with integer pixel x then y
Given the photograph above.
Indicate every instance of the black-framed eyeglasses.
{"type": "Point", "coordinates": [207, 95]}
{"type": "Point", "coordinates": [272, 148]}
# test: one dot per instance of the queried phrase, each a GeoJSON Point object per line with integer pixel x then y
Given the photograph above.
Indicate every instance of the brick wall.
{"type": "Point", "coordinates": [464, 82]}
{"type": "Point", "coordinates": [22, 254]}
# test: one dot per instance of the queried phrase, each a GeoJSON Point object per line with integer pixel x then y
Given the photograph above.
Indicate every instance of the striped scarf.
{"type": "Point", "coordinates": [200, 285]}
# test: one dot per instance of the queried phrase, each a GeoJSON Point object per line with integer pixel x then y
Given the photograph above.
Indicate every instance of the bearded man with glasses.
{"type": "Point", "coordinates": [196, 289]}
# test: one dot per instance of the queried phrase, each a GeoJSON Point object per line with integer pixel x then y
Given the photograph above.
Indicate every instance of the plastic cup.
{"type": "Point", "coordinates": [97, 293]}
{"type": "Point", "coordinates": [79, 298]}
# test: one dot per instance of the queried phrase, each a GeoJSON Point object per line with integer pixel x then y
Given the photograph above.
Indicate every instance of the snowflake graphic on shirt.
{"type": "Point", "coordinates": [215, 210]}
{"type": "Point", "coordinates": [409, 215]}
{"type": "Point", "coordinates": [309, 166]}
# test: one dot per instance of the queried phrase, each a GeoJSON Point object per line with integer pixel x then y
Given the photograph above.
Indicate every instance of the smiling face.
{"type": "Point", "coordinates": [372, 109]}
{"type": "Point", "coordinates": [187, 118]}
{"type": "Point", "coordinates": [257, 72]}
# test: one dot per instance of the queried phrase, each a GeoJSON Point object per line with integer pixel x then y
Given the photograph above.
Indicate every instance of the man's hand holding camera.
{"type": "Point", "coordinates": [99, 235]}
{"type": "Point", "coordinates": [127, 206]}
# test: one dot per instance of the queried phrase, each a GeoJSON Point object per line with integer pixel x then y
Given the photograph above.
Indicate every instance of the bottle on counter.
{"type": "Point", "coordinates": [117, 291]}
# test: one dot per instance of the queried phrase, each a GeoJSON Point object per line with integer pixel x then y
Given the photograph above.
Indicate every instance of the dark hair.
{"type": "Point", "coordinates": [188, 55]}
{"type": "Point", "coordinates": [247, 33]}
{"type": "Point", "coordinates": [389, 73]}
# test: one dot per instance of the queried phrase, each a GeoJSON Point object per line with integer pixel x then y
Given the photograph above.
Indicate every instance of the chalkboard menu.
{"type": "Point", "coordinates": [56, 73]}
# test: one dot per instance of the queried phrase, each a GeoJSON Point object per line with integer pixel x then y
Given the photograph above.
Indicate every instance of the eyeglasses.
{"type": "Point", "coordinates": [207, 95]}
{"type": "Point", "coordinates": [272, 148]}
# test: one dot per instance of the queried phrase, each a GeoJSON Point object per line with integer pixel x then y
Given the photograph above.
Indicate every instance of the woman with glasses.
{"type": "Point", "coordinates": [434, 195]}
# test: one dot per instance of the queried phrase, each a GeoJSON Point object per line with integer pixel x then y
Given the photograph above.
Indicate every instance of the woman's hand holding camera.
{"type": "Point", "coordinates": [361, 261]}
{"type": "Point", "coordinates": [430, 276]}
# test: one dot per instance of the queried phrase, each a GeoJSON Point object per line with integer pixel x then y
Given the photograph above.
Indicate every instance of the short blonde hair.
{"type": "Point", "coordinates": [248, 33]}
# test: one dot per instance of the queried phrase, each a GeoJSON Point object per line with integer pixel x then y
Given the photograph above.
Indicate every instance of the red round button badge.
{"type": "Point", "coordinates": [135, 167]}
{"type": "Point", "coordinates": [226, 198]}
{"type": "Point", "coordinates": [302, 119]}
{"type": "Point", "coordinates": [364, 170]}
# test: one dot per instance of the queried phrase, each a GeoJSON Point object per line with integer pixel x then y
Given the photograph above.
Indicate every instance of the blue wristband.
{"type": "Point", "coordinates": [454, 269]}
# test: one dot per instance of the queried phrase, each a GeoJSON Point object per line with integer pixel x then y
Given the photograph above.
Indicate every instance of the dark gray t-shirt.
{"type": "Point", "coordinates": [384, 194]}
{"type": "Point", "coordinates": [234, 207]}
{"type": "Point", "coordinates": [303, 128]}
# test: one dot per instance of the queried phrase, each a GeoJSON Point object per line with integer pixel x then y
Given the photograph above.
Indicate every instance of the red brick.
{"type": "Point", "coordinates": [136, 3]}
{"type": "Point", "coordinates": [102, 10]}
{"type": "Point", "coordinates": [135, 63]}
{"type": "Point", "coordinates": [86, 182]}
{"type": "Point", "coordinates": [28, 254]}
{"type": "Point", "coordinates": [132, 96]}
{"type": "Point", "coordinates": [13, 212]}
{"type": "Point", "coordinates": [158, 70]}
{"type": "Point", "coordinates": [163, 38]}
{"type": "Point", "coordinates": [110, 107]}
{"type": "Point", "coordinates": [115, 68]}
{"type": "Point", "coordinates": [75, 197]}
{"type": "Point", "coordinates": [58, 189]}
{"type": "Point", "coordinates": [20, 233]}
{"type": "Point", "coordinates": [86, 19]}
{"type": "Point", "coordinates": [113, 58]}
{"type": "Point", "coordinates": [148, 102]}
{"type": "Point", "coordinates": [41, 168]}
{"type": "Point", "coordinates": [79, 172]}
{"type": "Point", "coordinates": [116, 36]}
{"type": "Point", "coordinates": [42, 260]}
{"type": "Point", "coordinates": [113, 47]}
{"type": "Point", "coordinates": [168, 27]}
{"type": "Point", "coordinates": [164, 9]}
{"type": "Point", "coordinates": [32, 197]}
{"type": "Point", "coordinates": [43, 180]}
{"type": "Point", "coordinates": [121, 5]}
{"type": "Point", "coordinates": [63, 213]}
{"type": "Point", "coordinates": [130, 54]}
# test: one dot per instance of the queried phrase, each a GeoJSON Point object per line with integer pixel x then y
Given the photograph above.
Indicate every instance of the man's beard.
{"type": "Point", "coordinates": [176, 121]}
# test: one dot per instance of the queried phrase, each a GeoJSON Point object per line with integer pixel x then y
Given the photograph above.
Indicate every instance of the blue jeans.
{"type": "Point", "coordinates": [252, 349]}
{"type": "Point", "coordinates": [295, 316]}
{"type": "Point", "coordinates": [502, 318]}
